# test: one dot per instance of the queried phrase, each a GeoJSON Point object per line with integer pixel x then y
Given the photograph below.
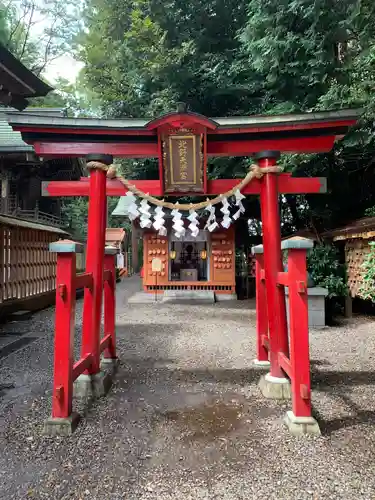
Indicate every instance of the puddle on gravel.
{"type": "Point", "coordinates": [207, 421]}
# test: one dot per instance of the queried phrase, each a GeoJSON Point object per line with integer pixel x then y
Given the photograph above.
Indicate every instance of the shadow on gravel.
{"type": "Point", "coordinates": [337, 384]}
{"type": "Point", "coordinates": [326, 380]}
{"type": "Point", "coordinates": [328, 427]}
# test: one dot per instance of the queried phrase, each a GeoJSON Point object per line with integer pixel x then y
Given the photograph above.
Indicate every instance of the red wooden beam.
{"type": "Point", "coordinates": [105, 342]}
{"type": "Point", "coordinates": [70, 149]}
{"type": "Point", "coordinates": [317, 144]}
{"type": "Point", "coordinates": [286, 185]}
{"type": "Point", "coordinates": [107, 275]}
{"type": "Point", "coordinates": [285, 364]}
{"type": "Point", "coordinates": [83, 280]}
{"type": "Point", "coordinates": [82, 365]}
{"type": "Point", "coordinates": [283, 279]}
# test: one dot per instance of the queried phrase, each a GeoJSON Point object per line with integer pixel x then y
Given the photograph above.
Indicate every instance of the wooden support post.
{"type": "Point", "coordinates": [92, 309]}
{"type": "Point", "coordinates": [64, 326]}
{"type": "Point", "coordinates": [135, 260]}
{"type": "Point", "coordinates": [110, 303]}
{"type": "Point", "coordinates": [299, 326]}
{"type": "Point", "coordinates": [348, 306]}
{"type": "Point", "coordinates": [299, 421]}
{"type": "Point", "coordinates": [278, 328]}
{"type": "Point", "coordinates": [261, 309]}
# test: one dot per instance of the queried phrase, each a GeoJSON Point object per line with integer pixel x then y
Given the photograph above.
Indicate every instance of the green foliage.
{"type": "Point", "coordinates": [367, 288]}
{"type": "Point", "coordinates": [326, 271]}
{"type": "Point", "coordinates": [37, 32]}
{"type": "Point", "coordinates": [370, 212]}
{"type": "Point", "coordinates": [75, 213]}
{"type": "Point", "coordinates": [148, 55]}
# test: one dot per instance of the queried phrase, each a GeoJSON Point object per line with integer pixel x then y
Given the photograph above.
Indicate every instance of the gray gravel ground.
{"type": "Point", "coordinates": [185, 419]}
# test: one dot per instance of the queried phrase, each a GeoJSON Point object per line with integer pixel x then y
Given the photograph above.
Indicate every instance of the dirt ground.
{"type": "Point", "coordinates": [185, 419]}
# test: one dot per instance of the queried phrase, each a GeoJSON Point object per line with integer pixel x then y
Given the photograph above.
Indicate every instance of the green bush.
{"type": "Point", "coordinates": [325, 269]}
{"type": "Point", "coordinates": [367, 289]}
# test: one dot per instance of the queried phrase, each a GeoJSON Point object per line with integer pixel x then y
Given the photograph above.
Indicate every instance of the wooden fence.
{"type": "Point", "coordinates": [27, 268]}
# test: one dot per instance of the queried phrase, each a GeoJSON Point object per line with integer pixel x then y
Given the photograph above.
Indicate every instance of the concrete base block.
{"type": "Point", "coordinates": [224, 297]}
{"type": "Point", "coordinates": [109, 364]}
{"type": "Point", "coordinates": [92, 386]}
{"type": "Point", "coordinates": [261, 364]}
{"type": "Point", "coordinates": [274, 387]}
{"type": "Point", "coordinates": [61, 426]}
{"type": "Point", "coordinates": [299, 426]}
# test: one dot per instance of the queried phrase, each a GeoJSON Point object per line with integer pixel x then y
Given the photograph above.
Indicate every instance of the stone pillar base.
{"type": "Point", "coordinates": [61, 426]}
{"type": "Point", "coordinates": [298, 426]}
{"type": "Point", "coordinates": [261, 364]}
{"type": "Point", "coordinates": [92, 386]}
{"type": "Point", "coordinates": [109, 364]}
{"type": "Point", "coordinates": [274, 387]}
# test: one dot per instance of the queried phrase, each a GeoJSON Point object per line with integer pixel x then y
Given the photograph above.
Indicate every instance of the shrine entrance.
{"type": "Point", "coordinates": [182, 142]}
{"type": "Point", "coordinates": [188, 261]}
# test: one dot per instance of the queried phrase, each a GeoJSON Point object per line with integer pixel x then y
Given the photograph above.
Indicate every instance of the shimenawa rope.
{"type": "Point", "coordinates": [255, 172]}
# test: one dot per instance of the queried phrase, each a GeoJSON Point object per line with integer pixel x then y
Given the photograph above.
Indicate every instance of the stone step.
{"type": "Point", "coordinates": [195, 296]}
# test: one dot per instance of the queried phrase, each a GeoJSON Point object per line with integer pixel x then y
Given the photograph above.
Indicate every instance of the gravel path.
{"type": "Point", "coordinates": [185, 419]}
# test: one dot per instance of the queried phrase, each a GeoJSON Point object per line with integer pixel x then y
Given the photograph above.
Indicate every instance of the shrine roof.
{"type": "Point", "coordinates": [226, 136]}
{"type": "Point", "coordinates": [363, 228]}
{"type": "Point", "coordinates": [17, 82]}
{"type": "Point", "coordinates": [11, 140]}
{"type": "Point", "coordinates": [27, 120]}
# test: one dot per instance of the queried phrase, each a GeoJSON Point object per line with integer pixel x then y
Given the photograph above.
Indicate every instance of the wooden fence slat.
{"type": "Point", "coordinates": [27, 268]}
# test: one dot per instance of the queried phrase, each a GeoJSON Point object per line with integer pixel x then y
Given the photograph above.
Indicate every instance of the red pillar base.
{"type": "Point", "coordinates": [299, 426]}
{"type": "Point", "coordinates": [275, 387]}
{"type": "Point", "coordinates": [61, 426]}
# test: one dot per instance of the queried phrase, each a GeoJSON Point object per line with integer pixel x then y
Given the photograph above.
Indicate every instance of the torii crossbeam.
{"type": "Point", "coordinates": [286, 185]}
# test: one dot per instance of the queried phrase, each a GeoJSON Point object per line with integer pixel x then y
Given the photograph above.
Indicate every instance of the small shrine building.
{"type": "Point", "coordinates": [205, 262]}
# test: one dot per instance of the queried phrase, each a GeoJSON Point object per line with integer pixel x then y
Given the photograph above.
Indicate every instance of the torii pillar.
{"type": "Point", "coordinates": [274, 385]}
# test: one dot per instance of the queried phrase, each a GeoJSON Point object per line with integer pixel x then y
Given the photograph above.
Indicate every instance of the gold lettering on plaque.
{"type": "Point", "coordinates": [187, 153]}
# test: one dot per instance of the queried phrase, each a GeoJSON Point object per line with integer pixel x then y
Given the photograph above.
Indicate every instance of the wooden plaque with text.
{"type": "Point", "coordinates": [183, 163]}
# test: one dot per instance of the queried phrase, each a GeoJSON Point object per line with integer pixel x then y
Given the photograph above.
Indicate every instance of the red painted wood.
{"type": "Point", "coordinates": [82, 365]}
{"type": "Point", "coordinates": [205, 180]}
{"type": "Point", "coordinates": [286, 183]}
{"type": "Point", "coordinates": [107, 275]}
{"type": "Point", "coordinates": [160, 182]}
{"type": "Point", "coordinates": [64, 336]}
{"type": "Point", "coordinates": [182, 120]}
{"type": "Point", "coordinates": [74, 149]}
{"type": "Point", "coordinates": [321, 144]}
{"type": "Point", "coordinates": [283, 279]}
{"type": "Point", "coordinates": [105, 342]}
{"type": "Point", "coordinates": [261, 309]}
{"type": "Point", "coordinates": [285, 364]}
{"type": "Point", "coordinates": [278, 329]}
{"type": "Point", "coordinates": [92, 307]}
{"type": "Point", "coordinates": [218, 148]}
{"type": "Point", "coordinates": [83, 280]}
{"type": "Point", "coordinates": [110, 306]}
{"type": "Point", "coordinates": [299, 333]}
{"type": "Point", "coordinates": [266, 342]}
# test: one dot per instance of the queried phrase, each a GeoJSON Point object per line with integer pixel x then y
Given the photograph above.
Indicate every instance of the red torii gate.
{"type": "Point", "coordinates": [263, 137]}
